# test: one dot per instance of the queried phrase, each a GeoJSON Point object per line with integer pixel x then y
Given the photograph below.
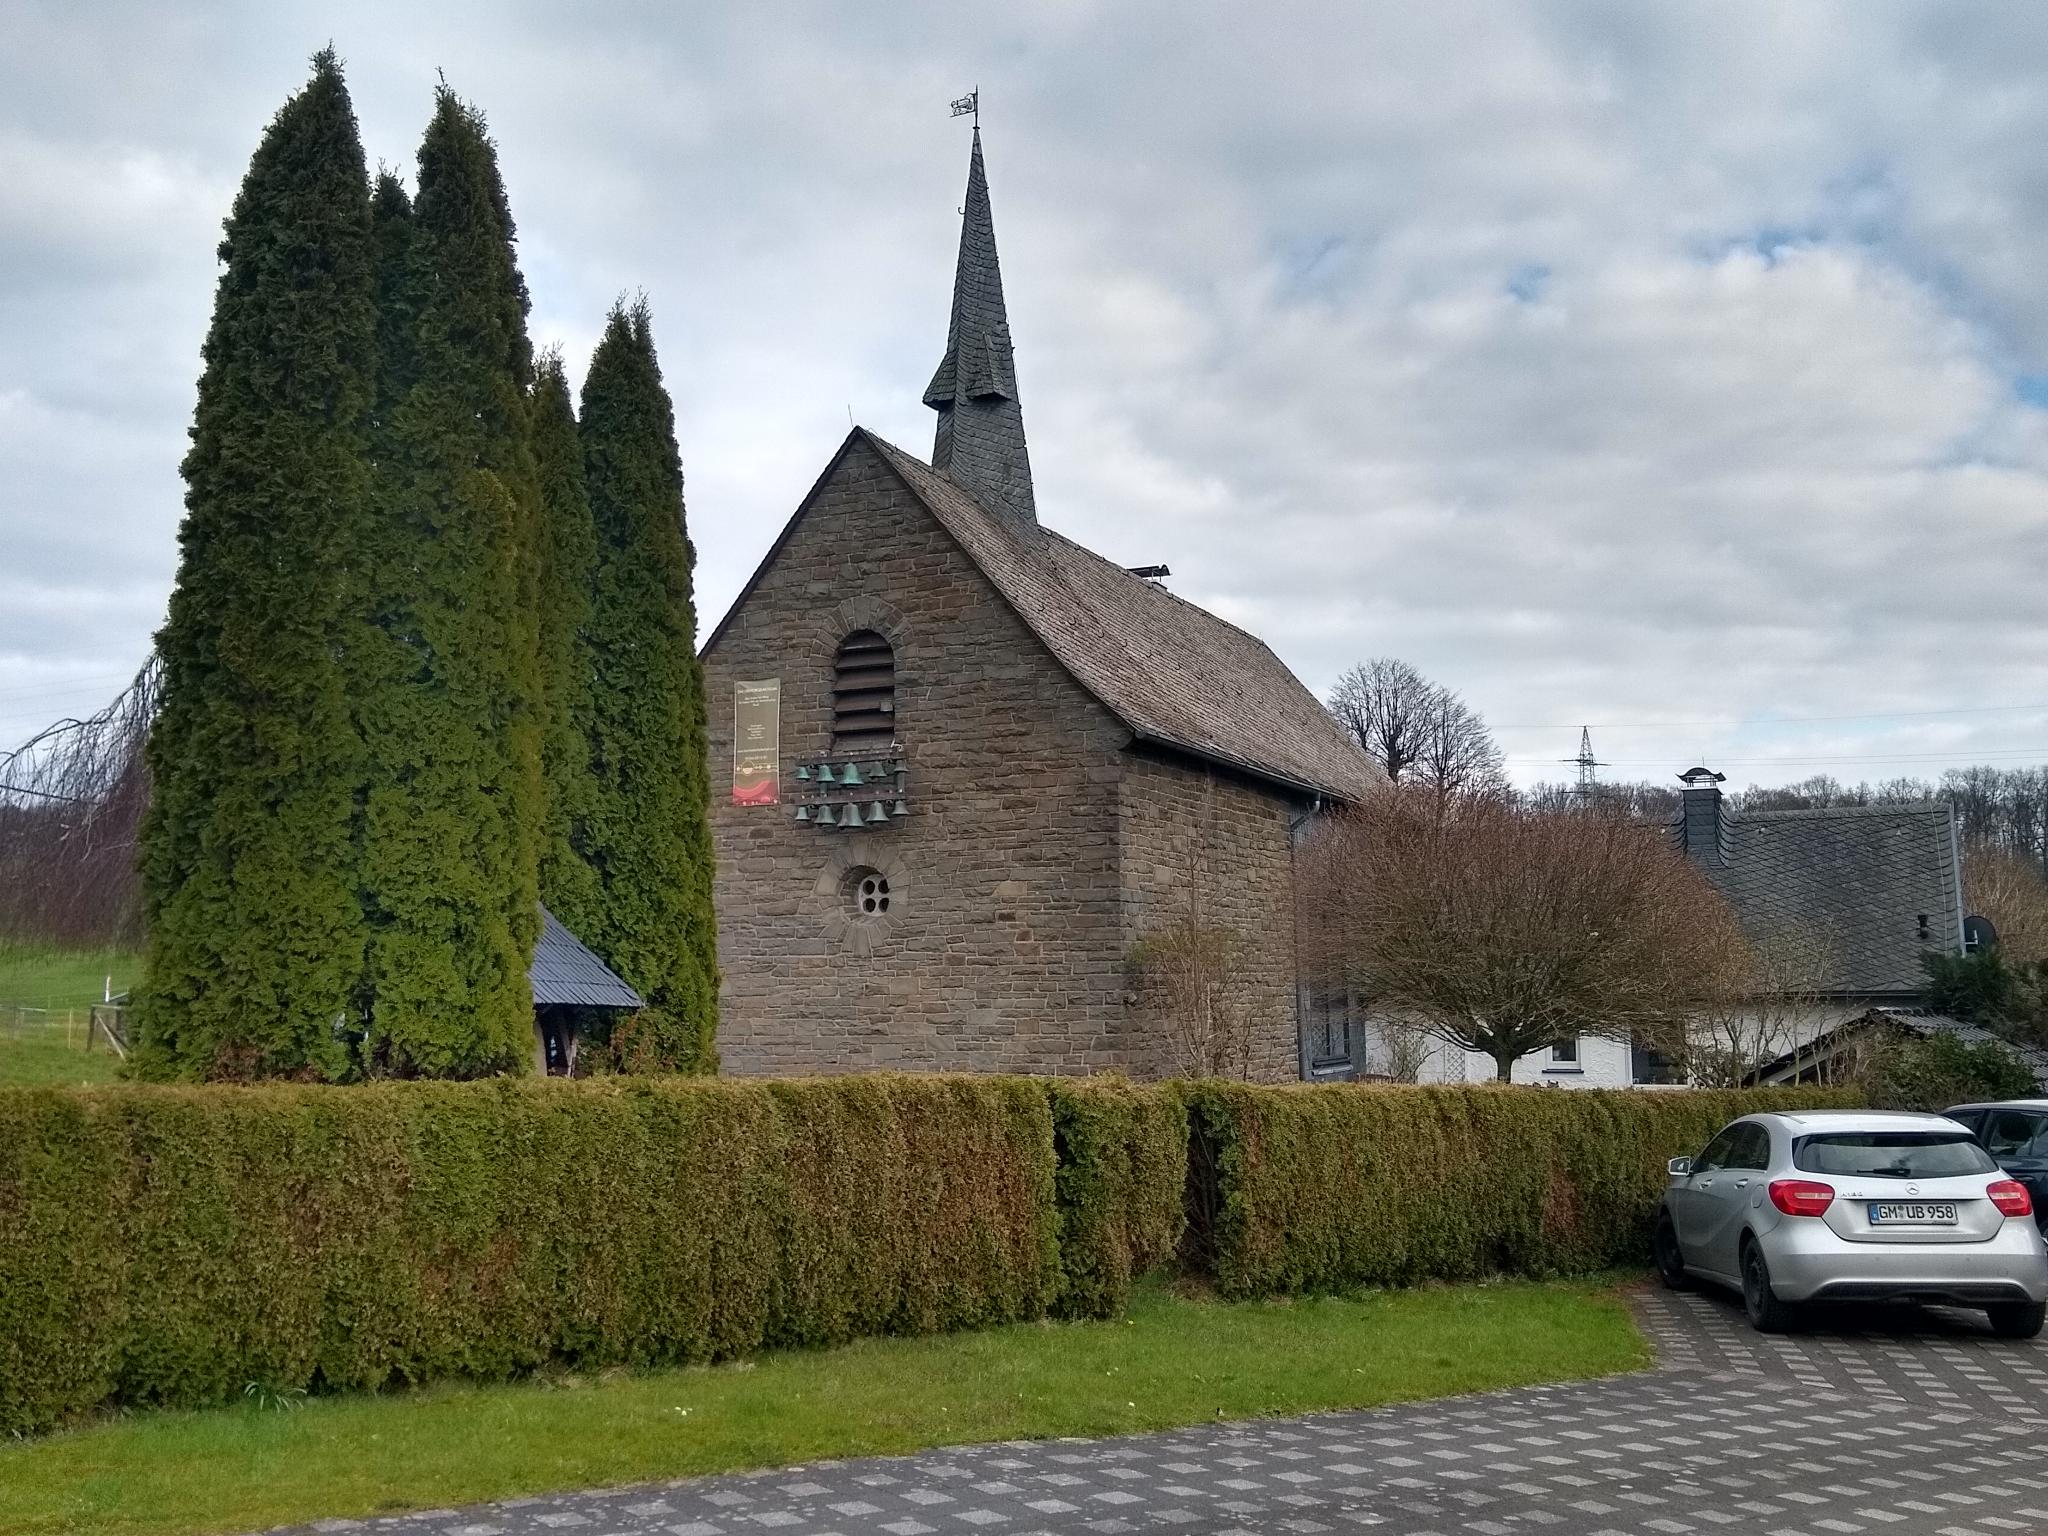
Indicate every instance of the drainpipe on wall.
{"type": "Point", "coordinates": [1295, 826]}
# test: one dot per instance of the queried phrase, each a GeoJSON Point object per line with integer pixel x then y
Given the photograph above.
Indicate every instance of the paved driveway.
{"type": "Point", "coordinates": [1896, 1423]}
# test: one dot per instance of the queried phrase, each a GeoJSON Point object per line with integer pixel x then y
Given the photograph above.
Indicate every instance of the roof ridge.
{"type": "Point", "coordinates": [1817, 812]}
{"type": "Point", "coordinates": [1162, 589]}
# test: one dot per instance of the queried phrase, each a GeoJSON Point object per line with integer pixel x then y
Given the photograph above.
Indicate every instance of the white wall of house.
{"type": "Point", "coordinates": [1598, 1063]}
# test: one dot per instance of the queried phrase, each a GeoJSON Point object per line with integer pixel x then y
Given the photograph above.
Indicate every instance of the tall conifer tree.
{"type": "Point", "coordinates": [569, 883]}
{"type": "Point", "coordinates": [391, 257]}
{"type": "Point", "coordinates": [650, 834]}
{"type": "Point", "coordinates": [256, 941]}
{"type": "Point", "coordinates": [446, 688]}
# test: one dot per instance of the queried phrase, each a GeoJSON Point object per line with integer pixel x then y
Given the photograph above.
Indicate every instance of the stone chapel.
{"type": "Point", "coordinates": [963, 767]}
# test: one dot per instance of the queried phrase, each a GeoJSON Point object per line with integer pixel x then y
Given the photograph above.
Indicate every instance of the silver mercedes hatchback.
{"type": "Point", "coordinates": [1854, 1205]}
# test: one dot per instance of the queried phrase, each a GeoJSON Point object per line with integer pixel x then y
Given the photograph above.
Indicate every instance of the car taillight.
{"type": "Point", "coordinates": [1801, 1197]}
{"type": "Point", "coordinates": [2010, 1196]}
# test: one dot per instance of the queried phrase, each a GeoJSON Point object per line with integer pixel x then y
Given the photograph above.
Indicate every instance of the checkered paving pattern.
{"type": "Point", "coordinates": [1917, 1423]}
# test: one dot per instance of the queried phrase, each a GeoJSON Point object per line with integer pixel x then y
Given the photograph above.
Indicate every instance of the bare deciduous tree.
{"type": "Point", "coordinates": [1399, 1051]}
{"type": "Point", "coordinates": [71, 800]}
{"type": "Point", "coordinates": [1500, 930]}
{"type": "Point", "coordinates": [1190, 966]}
{"type": "Point", "coordinates": [2007, 888]}
{"type": "Point", "coordinates": [1784, 978]}
{"type": "Point", "coordinates": [1418, 731]}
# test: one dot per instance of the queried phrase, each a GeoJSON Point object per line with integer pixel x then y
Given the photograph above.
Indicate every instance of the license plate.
{"type": "Point", "coordinates": [1921, 1213]}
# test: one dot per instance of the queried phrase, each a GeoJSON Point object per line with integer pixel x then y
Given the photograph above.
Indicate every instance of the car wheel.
{"type": "Point", "coordinates": [1670, 1260]}
{"type": "Point", "coordinates": [2018, 1319]}
{"type": "Point", "coordinates": [1767, 1314]}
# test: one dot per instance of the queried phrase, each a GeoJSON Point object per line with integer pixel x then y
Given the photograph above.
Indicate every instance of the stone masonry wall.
{"type": "Point", "coordinates": [1003, 949]}
{"type": "Point", "coordinates": [1183, 822]}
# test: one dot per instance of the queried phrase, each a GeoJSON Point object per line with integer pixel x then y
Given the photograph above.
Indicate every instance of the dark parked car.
{"type": "Point", "coordinates": [2015, 1133]}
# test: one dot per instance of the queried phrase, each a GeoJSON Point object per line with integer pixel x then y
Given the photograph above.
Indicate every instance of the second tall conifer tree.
{"type": "Point", "coordinates": [447, 692]}
{"type": "Point", "coordinates": [649, 834]}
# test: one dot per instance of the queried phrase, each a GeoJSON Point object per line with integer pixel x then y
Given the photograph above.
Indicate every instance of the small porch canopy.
{"type": "Point", "coordinates": [567, 978]}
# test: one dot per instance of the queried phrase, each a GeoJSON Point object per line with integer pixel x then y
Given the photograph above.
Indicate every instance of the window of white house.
{"type": "Point", "coordinates": [1650, 1064]}
{"type": "Point", "coordinates": [1565, 1053]}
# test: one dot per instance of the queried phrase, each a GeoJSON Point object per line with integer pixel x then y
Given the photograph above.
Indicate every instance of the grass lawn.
{"type": "Point", "coordinates": [49, 1047]}
{"type": "Point", "coordinates": [1174, 1360]}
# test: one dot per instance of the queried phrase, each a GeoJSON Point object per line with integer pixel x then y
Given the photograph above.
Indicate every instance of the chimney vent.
{"type": "Point", "coordinates": [1702, 828]}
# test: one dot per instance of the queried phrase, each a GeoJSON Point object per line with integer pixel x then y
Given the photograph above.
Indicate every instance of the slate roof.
{"type": "Point", "coordinates": [565, 972]}
{"type": "Point", "coordinates": [1176, 674]}
{"type": "Point", "coordinates": [1860, 877]}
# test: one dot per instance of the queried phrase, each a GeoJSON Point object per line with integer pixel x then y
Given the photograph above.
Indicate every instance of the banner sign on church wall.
{"type": "Point", "coordinates": [757, 742]}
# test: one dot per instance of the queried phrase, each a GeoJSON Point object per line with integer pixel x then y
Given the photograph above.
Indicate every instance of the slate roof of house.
{"type": "Point", "coordinates": [1858, 877]}
{"type": "Point", "coordinates": [1175, 673]}
{"type": "Point", "coordinates": [565, 972]}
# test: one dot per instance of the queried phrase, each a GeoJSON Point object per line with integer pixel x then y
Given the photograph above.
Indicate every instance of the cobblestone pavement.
{"type": "Point", "coordinates": [1873, 1421]}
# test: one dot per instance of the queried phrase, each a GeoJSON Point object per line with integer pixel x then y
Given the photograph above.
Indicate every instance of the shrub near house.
{"type": "Point", "coordinates": [173, 1246]}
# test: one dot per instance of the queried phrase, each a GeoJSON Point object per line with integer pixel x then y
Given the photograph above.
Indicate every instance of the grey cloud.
{"type": "Point", "coordinates": [1750, 447]}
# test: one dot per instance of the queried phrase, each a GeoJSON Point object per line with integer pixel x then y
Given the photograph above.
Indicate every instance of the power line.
{"type": "Point", "coordinates": [1674, 725]}
{"type": "Point", "coordinates": [44, 690]}
{"type": "Point", "coordinates": [2012, 754]}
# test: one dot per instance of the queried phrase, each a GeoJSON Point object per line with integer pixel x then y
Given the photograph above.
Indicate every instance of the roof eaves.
{"type": "Point", "coordinates": [1225, 759]}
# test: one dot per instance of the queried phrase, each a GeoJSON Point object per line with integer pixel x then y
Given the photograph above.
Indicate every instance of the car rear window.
{"type": "Point", "coordinates": [1891, 1154]}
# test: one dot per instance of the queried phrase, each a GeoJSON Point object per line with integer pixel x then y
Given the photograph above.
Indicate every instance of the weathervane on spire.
{"type": "Point", "coordinates": [970, 103]}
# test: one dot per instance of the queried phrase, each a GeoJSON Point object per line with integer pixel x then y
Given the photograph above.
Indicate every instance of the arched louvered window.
{"type": "Point", "coordinates": [863, 693]}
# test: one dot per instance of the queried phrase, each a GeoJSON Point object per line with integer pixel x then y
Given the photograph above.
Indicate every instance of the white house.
{"type": "Point", "coordinates": [1841, 903]}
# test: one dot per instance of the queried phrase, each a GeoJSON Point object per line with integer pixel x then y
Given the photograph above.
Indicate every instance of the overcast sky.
{"type": "Point", "coordinates": [1681, 369]}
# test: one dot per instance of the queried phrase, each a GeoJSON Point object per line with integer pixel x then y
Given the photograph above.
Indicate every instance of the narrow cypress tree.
{"type": "Point", "coordinates": [650, 835]}
{"type": "Point", "coordinates": [255, 941]}
{"type": "Point", "coordinates": [446, 689]}
{"type": "Point", "coordinates": [391, 256]}
{"type": "Point", "coordinates": [569, 883]}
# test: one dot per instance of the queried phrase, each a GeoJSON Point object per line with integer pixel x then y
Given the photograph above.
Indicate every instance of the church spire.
{"type": "Point", "coordinates": [980, 439]}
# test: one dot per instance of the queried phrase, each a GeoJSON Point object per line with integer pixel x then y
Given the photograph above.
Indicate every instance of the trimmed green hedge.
{"type": "Point", "coordinates": [1330, 1188]}
{"type": "Point", "coordinates": [176, 1245]}
{"type": "Point", "coordinates": [1123, 1163]}
{"type": "Point", "coordinates": [172, 1246]}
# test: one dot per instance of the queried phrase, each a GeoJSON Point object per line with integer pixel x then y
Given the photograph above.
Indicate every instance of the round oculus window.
{"type": "Point", "coordinates": [869, 892]}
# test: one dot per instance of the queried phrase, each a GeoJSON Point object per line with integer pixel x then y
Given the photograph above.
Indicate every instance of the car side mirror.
{"type": "Point", "coordinates": [1679, 1167]}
